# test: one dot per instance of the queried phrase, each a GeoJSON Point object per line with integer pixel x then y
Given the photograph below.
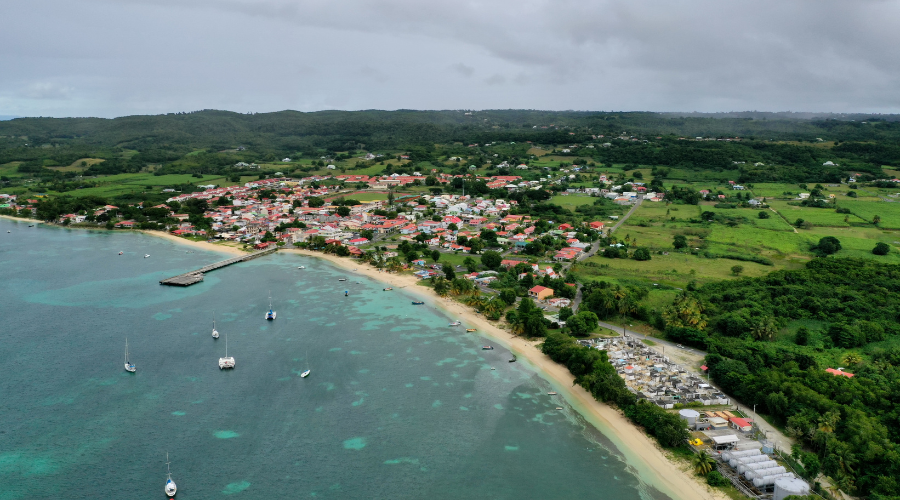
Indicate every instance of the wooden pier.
{"type": "Point", "coordinates": [188, 279]}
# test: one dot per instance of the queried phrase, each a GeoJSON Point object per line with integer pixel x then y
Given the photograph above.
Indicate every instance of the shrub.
{"type": "Point", "coordinates": [881, 249]}
{"type": "Point", "coordinates": [763, 214]}
{"type": "Point", "coordinates": [644, 254]}
{"type": "Point", "coordinates": [714, 478]}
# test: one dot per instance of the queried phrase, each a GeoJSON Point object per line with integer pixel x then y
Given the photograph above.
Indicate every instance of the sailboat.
{"type": "Point", "coordinates": [226, 362]}
{"type": "Point", "coordinates": [171, 489]}
{"type": "Point", "coordinates": [306, 373]}
{"type": "Point", "coordinates": [215, 333]}
{"type": "Point", "coordinates": [271, 314]}
{"type": "Point", "coordinates": [129, 366]}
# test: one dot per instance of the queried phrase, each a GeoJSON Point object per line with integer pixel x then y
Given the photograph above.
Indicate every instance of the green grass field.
{"type": "Point", "coordinates": [888, 211]}
{"type": "Point", "coordinates": [816, 216]}
{"type": "Point", "coordinates": [572, 201]}
{"type": "Point", "coordinates": [114, 185]}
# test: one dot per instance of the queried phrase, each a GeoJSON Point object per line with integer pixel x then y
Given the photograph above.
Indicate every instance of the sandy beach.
{"type": "Point", "coordinates": [22, 219]}
{"type": "Point", "coordinates": [640, 451]}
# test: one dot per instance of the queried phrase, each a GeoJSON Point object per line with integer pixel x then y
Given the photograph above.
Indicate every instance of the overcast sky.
{"type": "Point", "coordinates": [118, 57]}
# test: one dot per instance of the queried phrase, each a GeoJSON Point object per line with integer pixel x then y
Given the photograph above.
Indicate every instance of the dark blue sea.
{"type": "Point", "coordinates": [398, 405]}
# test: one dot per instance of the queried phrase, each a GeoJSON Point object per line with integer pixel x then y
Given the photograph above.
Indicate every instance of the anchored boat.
{"type": "Point", "coordinates": [226, 362]}
{"type": "Point", "coordinates": [271, 314]}
{"type": "Point", "coordinates": [171, 489]}
{"type": "Point", "coordinates": [129, 366]}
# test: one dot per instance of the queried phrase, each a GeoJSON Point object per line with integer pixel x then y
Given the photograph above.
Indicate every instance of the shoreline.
{"type": "Point", "coordinates": [641, 453]}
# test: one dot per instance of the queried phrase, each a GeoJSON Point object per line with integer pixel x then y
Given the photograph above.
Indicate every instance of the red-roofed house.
{"type": "Point", "coordinates": [839, 372]}
{"type": "Point", "coordinates": [741, 424]}
{"type": "Point", "coordinates": [540, 292]}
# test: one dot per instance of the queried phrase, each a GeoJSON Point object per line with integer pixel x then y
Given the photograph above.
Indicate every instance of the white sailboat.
{"type": "Point", "coordinates": [306, 373]}
{"type": "Point", "coordinates": [215, 333]}
{"type": "Point", "coordinates": [226, 362]}
{"type": "Point", "coordinates": [171, 489]}
{"type": "Point", "coordinates": [271, 314]}
{"type": "Point", "coordinates": [129, 366]}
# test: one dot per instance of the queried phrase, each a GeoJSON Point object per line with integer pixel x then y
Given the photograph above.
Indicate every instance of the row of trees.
{"type": "Point", "coordinates": [593, 371]}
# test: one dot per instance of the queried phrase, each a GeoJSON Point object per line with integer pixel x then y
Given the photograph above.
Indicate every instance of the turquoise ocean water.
{"type": "Point", "coordinates": [398, 405]}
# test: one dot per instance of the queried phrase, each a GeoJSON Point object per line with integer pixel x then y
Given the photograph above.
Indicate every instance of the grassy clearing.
{"type": "Point", "coordinates": [777, 190]}
{"type": "Point", "coordinates": [816, 216]}
{"type": "Point", "coordinates": [571, 201]}
{"type": "Point", "coordinates": [115, 185]}
{"type": "Point", "coordinates": [675, 269]}
{"type": "Point", "coordinates": [866, 210]}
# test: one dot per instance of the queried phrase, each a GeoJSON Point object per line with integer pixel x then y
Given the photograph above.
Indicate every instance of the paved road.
{"type": "Point", "coordinates": [595, 247]}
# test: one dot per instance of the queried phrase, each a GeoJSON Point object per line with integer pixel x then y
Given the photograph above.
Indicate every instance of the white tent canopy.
{"type": "Point", "coordinates": [731, 438]}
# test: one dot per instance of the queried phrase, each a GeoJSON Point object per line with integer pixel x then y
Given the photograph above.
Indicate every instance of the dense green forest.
{"type": "Point", "coordinates": [847, 311]}
{"type": "Point", "coordinates": [771, 148]}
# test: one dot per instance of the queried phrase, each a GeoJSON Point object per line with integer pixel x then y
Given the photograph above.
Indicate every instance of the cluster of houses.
{"type": "Point", "coordinates": [246, 216]}
{"type": "Point", "coordinates": [652, 376]}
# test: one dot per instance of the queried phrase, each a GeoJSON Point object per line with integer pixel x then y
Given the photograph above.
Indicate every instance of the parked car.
{"type": "Point", "coordinates": [679, 346]}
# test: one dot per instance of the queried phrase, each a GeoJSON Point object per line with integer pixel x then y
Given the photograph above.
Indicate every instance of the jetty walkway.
{"type": "Point", "coordinates": [189, 278]}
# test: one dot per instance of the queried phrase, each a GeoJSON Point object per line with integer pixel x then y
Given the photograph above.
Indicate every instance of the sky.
{"type": "Point", "coordinates": [112, 58]}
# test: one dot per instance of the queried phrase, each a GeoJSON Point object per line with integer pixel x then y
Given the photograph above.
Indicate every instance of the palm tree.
{"type": "Point", "coordinates": [475, 300]}
{"type": "Point", "coordinates": [441, 285]}
{"type": "Point", "coordinates": [493, 304]}
{"type": "Point", "coordinates": [852, 358]}
{"type": "Point", "coordinates": [703, 463]}
{"type": "Point", "coordinates": [394, 265]}
{"type": "Point", "coordinates": [765, 329]}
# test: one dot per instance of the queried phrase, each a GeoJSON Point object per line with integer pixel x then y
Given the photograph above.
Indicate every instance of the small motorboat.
{"type": "Point", "coordinates": [417, 302]}
{"type": "Point", "coordinates": [30, 225]}
{"type": "Point", "coordinates": [346, 293]}
{"type": "Point", "coordinates": [455, 323]}
{"type": "Point", "coordinates": [304, 374]}
{"type": "Point", "coordinates": [551, 393]}
{"type": "Point", "coordinates": [388, 289]}
{"type": "Point", "coordinates": [301, 267]}
{"type": "Point", "coordinates": [492, 368]}
{"type": "Point", "coordinates": [487, 348]}
{"type": "Point", "coordinates": [470, 329]}
{"type": "Point", "coordinates": [9, 231]}
{"type": "Point", "coordinates": [559, 407]}
{"type": "Point", "coordinates": [513, 360]}
{"type": "Point", "coordinates": [120, 253]}
{"type": "Point", "coordinates": [147, 256]}
{"type": "Point", "coordinates": [342, 279]}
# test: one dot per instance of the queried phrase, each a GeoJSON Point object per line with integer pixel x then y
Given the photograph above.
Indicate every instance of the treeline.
{"type": "Point", "coordinates": [858, 298]}
{"type": "Point", "coordinates": [593, 371]}
{"type": "Point", "coordinates": [849, 426]}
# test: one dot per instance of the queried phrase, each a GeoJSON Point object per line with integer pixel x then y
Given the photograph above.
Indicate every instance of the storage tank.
{"type": "Point", "coordinates": [728, 455]}
{"type": "Point", "coordinates": [734, 462]}
{"type": "Point", "coordinates": [762, 482]}
{"type": "Point", "coordinates": [771, 471]}
{"type": "Point", "coordinates": [768, 464]}
{"type": "Point", "coordinates": [768, 447]}
{"type": "Point", "coordinates": [787, 486]}
{"type": "Point", "coordinates": [690, 415]}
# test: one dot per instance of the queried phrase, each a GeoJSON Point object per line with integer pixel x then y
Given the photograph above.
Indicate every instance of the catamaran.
{"type": "Point", "coordinates": [129, 366]}
{"type": "Point", "coordinates": [271, 314]}
{"type": "Point", "coordinates": [171, 489]}
{"type": "Point", "coordinates": [226, 362]}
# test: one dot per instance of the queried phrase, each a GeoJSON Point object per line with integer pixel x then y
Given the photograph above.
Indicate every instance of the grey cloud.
{"type": "Point", "coordinates": [170, 55]}
{"type": "Point", "coordinates": [463, 70]}
{"type": "Point", "coordinates": [46, 90]}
